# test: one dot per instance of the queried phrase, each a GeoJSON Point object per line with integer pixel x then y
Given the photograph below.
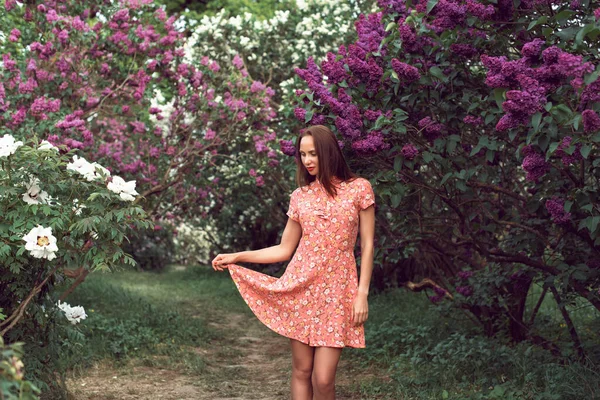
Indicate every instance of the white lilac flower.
{"type": "Point", "coordinates": [34, 194]}
{"type": "Point", "coordinates": [41, 243]}
{"type": "Point", "coordinates": [73, 314]}
{"type": "Point", "coordinates": [46, 145]}
{"type": "Point", "coordinates": [8, 145]}
{"type": "Point", "coordinates": [126, 190]}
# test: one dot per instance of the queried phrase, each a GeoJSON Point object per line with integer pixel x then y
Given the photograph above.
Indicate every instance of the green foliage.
{"type": "Point", "coordinates": [152, 249]}
{"type": "Point", "coordinates": [13, 385]}
{"type": "Point", "coordinates": [425, 355]}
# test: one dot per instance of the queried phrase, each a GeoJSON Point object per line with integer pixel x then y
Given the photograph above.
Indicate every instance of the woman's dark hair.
{"type": "Point", "coordinates": [331, 160]}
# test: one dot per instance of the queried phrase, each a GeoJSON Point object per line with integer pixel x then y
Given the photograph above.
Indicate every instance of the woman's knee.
{"type": "Point", "coordinates": [302, 370]}
{"type": "Point", "coordinates": [323, 383]}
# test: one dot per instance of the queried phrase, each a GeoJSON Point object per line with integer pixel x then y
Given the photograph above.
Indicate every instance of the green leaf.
{"type": "Point", "coordinates": [431, 4]}
{"type": "Point", "coordinates": [437, 72]}
{"type": "Point", "coordinates": [309, 115]}
{"type": "Point", "coordinates": [585, 150]}
{"type": "Point", "coordinates": [398, 160]}
{"type": "Point", "coordinates": [568, 205]}
{"type": "Point", "coordinates": [564, 15]}
{"type": "Point", "coordinates": [446, 177]}
{"type": "Point", "coordinates": [427, 157]}
{"type": "Point", "coordinates": [535, 121]}
{"type": "Point", "coordinates": [390, 26]}
{"type": "Point", "coordinates": [583, 32]}
{"type": "Point", "coordinates": [567, 33]}
{"type": "Point", "coordinates": [592, 223]}
{"type": "Point", "coordinates": [499, 96]}
{"type": "Point", "coordinates": [445, 394]}
{"type": "Point", "coordinates": [539, 21]}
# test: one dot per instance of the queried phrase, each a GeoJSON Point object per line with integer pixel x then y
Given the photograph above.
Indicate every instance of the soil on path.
{"type": "Point", "coordinates": [246, 361]}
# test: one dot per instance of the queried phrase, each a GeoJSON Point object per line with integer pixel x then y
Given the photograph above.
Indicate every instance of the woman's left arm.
{"type": "Point", "coordinates": [360, 310]}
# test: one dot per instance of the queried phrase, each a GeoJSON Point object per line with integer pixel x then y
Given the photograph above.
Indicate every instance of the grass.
{"type": "Point", "coordinates": [153, 317]}
{"type": "Point", "coordinates": [414, 351]}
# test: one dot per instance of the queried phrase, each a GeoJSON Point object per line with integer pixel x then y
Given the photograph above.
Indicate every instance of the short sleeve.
{"type": "Point", "coordinates": [293, 209]}
{"type": "Point", "coordinates": [364, 194]}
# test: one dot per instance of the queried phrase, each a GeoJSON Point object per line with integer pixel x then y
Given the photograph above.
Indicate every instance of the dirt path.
{"type": "Point", "coordinates": [246, 361]}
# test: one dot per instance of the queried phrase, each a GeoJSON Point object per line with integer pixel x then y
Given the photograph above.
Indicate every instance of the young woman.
{"type": "Point", "coordinates": [318, 302]}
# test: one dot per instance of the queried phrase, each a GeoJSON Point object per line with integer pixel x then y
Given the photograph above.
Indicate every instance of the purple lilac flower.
{"type": "Point", "coordinates": [533, 48]}
{"type": "Point", "coordinates": [535, 165]}
{"type": "Point", "coordinates": [556, 208]}
{"type": "Point", "coordinates": [287, 147]}
{"type": "Point", "coordinates": [210, 134]}
{"type": "Point", "coordinates": [238, 62]}
{"type": "Point", "coordinates": [370, 31]}
{"type": "Point", "coordinates": [591, 121]}
{"type": "Point", "coordinates": [14, 36]}
{"type": "Point", "coordinates": [409, 151]}
{"type": "Point", "coordinates": [465, 274]}
{"type": "Point", "coordinates": [465, 290]}
{"type": "Point", "coordinates": [300, 114]}
{"type": "Point", "coordinates": [597, 14]}
{"type": "Point", "coordinates": [371, 144]}
{"type": "Point", "coordinates": [372, 115]}
{"type": "Point", "coordinates": [260, 181]}
{"type": "Point", "coordinates": [405, 72]}
{"type": "Point", "coordinates": [568, 159]}
{"type": "Point", "coordinates": [479, 10]}
{"type": "Point", "coordinates": [257, 87]}
{"type": "Point", "coordinates": [464, 50]}
{"type": "Point", "coordinates": [318, 119]}
{"type": "Point", "coordinates": [448, 15]}
{"type": "Point", "coordinates": [334, 70]}
{"type": "Point", "coordinates": [594, 263]}
{"type": "Point", "coordinates": [472, 120]}
{"type": "Point", "coordinates": [431, 129]}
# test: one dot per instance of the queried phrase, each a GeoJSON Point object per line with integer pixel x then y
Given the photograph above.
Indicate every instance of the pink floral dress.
{"type": "Point", "coordinates": [312, 301]}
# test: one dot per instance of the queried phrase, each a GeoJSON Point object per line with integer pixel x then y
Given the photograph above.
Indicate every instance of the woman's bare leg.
{"type": "Point", "coordinates": [323, 377]}
{"type": "Point", "coordinates": [302, 368]}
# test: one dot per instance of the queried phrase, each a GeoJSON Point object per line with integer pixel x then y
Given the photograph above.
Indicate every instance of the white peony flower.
{"type": "Point", "coordinates": [41, 243]}
{"type": "Point", "coordinates": [78, 208]}
{"type": "Point", "coordinates": [91, 171]}
{"type": "Point", "coordinates": [34, 194]}
{"type": "Point", "coordinates": [73, 314]}
{"type": "Point", "coordinates": [8, 145]}
{"type": "Point", "coordinates": [80, 165]}
{"type": "Point", "coordinates": [126, 190]}
{"type": "Point", "coordinates": [46, 145]}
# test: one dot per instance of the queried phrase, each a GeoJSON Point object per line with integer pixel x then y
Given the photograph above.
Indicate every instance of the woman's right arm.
{"type": "Point", "coordinates": [281, 252]}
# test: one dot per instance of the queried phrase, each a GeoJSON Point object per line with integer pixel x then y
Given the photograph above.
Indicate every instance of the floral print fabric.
{"type": "Point", "coordinates": [312, 301]}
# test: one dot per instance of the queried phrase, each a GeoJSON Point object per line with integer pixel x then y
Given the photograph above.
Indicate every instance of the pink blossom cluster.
{"type": "Point", "coordinates": [42, 105]}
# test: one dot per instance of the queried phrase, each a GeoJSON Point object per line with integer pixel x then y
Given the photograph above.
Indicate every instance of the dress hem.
{"type": "Point", "coordinates": [276, 331]}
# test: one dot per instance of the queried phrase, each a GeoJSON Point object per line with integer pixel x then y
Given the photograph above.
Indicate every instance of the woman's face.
{"type": "Point", "coordinates": [308, 155]}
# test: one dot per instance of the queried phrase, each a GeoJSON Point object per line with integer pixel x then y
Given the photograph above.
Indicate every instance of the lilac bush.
{"type": "Point", "coordinates": [470, 116]}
